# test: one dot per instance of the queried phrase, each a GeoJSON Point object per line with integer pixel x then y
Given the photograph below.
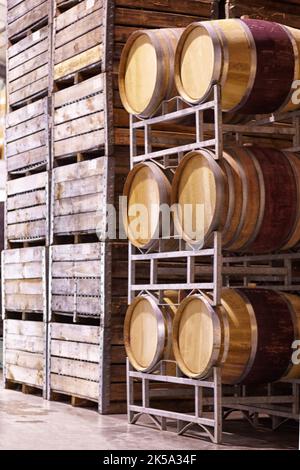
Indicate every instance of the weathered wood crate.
{"type": "Point", "coordinates": [27, 210]}
{"type": "Point", "coordinates": [24, 283]}
{"type": "Point", "coordinates": [27, 138]}
{"type": "Point", "coordinates": [29, 67]}
{"type": "Point", "coordinates": [79, 39]}
{"type": "Point", "coordinates": [87, 362]}
{"type": "Point", "coordinates": [285, 12]}
{"type": "Point", "coordinates": [81, 116]}
{"type": "Point", "coordinates": [80, 192]}
{"type": "Point", "coordinates": [87, 281]}
{"type": "Point", "coordinates": [25, 16]}
{"type": "Point", "coordinates": [130, 15]}
{"type": "Point", "coordinates": [25, 355]}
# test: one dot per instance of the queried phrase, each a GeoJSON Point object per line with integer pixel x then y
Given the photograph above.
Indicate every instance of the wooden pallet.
{"type": "Point", "coordinates": [27, 211]}
{"type": "Point", "coordinates": [27, 138]}
{"type": "Point", "coordinates": [78, 43]}
{"type": "Point", "coordinates": [25, 356]}
{"type": "Point", "coordinates": [81, 117]}
{"type": "Point", "coordinates": [28, 68]}
{"type": "Point", "coordinates": [85, 364]}
{"type": "Point", "coordinates": [26, 16]}
{"type": "Point", "coordinates": [24, 287]}
{"type": "Point", "coordinates": [80, 192]}
{"type": "Point", "coordinates": [87, 281]}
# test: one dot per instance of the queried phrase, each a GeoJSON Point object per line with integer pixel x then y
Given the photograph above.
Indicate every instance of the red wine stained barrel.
{"type": "Point", "coordinates": [275, 335]}
{"type": "Point", "coordinates": [281, 199]}
{"type": "Point", "coordinates": [275, 65]}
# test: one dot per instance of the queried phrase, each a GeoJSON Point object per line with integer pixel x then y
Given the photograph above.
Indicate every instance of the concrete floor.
{"type": "Point", "coordinates": [27, 422]}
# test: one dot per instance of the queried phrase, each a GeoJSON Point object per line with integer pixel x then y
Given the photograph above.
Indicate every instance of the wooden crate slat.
{"type": "Point", "coordinates": [80, 187]}
{"type": "Point", "coordinates": [72, 269]}
{"type": "Point", "coordinates": [27, 214]}
{"type": "Point", "coordinates": [29, 59]}
{"type": "Point", "coordinates": [26, 43]}
{"type": "Point", "coordinates": [24, 302]}
{"type": "Point", "coordinates": [80, 252]}
{"type": "Point", "coordinates": [90, 123]}
{"type": "Point", "coordinates": [74, 386]}
{"type": "Point", "coordinates": [25, 128]}
{"type": "Point", "coordinates": [24, 328]}
{"type": "Point", "coordinates": [79, 171]}
{"type": "Point", "coordinates": [21, 9]}
{"type": "Point", "coordinates": [27, 231]}
{"type": "Point", "coordinates": [75, 350]}
{"type": "Point", "coordinates": [77, 204]}
{"type": "Point", "coordinates": [79, 369]}
{"type": "Point", "coordinates": [84, 107]}
{"type": "Point", "coordinates": [27, 183]}
{"type": "Point", "coordinates": [79, 11]}
{"type": "Point", "coordinates": [28, 199]}
{"type": "Point", "coordinates": [78, 45]}
{"type": "Point", "coordinates": [79, 194]}
{"type": "Point", "coordinates": [79, 62]}
{"type": "Point", "coordinates": [82, 333]}
{"type": "Point", "coordinates": [26, 159]}
{"type": "Point", "coordinates": [80, 286]}
{"type": "Point", "coordinates": [30, 270]}
{"type": "Point", "coordinates": [79, 305]}
{"type": "Point", "coordinates": [34, 344]}
{"type": "Point", "coordinates": [27, 136]}
{"type": "Point", "coordinates": [28, 19]}
{"type": "Point", "coordinates": [200, 8]}
{"type": "Point", "coordinates": [28, 91]}
{"type": "Point", "coordinates": [24, 359]}
{"type": "Point", "coordinates": [79, 28]}
{"type": "Point", "coordinates": [32, 77]}
{"type": "Point", "coordinates": [80, 91]}
{"type": "Point", "coordinates": [27, 287]}
{"type": "Point", "coordinates": [24, 375]}
{"type": "Point", "coordinates": [26, 113]}
{"type": "Point", "coordinates": [23, 255]}
{"type": "Point", "coordinates": [151, 19]}
{"type": "Point", "coordinates": [26, 143]}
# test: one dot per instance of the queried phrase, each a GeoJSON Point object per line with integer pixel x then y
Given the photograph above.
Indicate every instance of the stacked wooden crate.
{"type": "Point", "coordinates": [83, 352]}
{"type": "Point", "coordinates": [24, 261]}
{"type": "Point", "coordinates": [282, 11]}
{"type": "Point", "coordinates": [67, 153]}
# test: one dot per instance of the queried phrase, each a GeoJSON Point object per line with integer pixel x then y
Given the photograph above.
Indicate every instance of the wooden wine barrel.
{"type": "Point", "coordinates": [293, 371]}
{"type": "Point", "coordinates": [146, 187]}
{"type": "Point", "coordinates": [146, 72]}
{"type": "Point", "coordinates": [198, 182]}
{"type": "Point", "coordinates": [148, 331]}
{"type": "Point", "coordinates": [249, 336]}
{"type": "Point", "coordinates": [256, 209]}
{"type": "Point", "coordinates": [234, 53]}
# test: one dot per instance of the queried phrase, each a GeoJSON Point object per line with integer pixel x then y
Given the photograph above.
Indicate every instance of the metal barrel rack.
{"type": "Point", "coordinates": [274, 271]}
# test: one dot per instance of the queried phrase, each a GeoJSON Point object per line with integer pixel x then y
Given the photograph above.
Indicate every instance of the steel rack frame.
{"type": "Point", "coordinates": [272, 271]}
{"type": "Point", "coordinates": [184, 421]}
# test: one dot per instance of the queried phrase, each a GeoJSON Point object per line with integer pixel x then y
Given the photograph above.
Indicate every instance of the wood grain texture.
{"type": "Point", "coordinates": [275, 65]}
{"type": "Point", "coordinates": [146, 70]}
{"type": "Point", "coordinates": [147, 331]}
{"type": "Point", "coordinates": [280, 209]}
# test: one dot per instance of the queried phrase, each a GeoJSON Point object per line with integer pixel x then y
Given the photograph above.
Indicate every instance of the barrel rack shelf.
{"type": "Point", "coordinates": [210, 269]}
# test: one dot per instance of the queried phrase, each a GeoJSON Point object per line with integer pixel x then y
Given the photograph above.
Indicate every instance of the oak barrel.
{"type": "Point", "coordinates": [146, 72]}
{"type": "Point", "coordinates": [251, 195]}
{"type": "Point", "coordinates": [249, 336]}
{"type": "Point", "coordinates": [147, 189]}
{"type": "Point", "coordinates": [148, 330]}
{"type": "Point", "coordinates": [255, 61]}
